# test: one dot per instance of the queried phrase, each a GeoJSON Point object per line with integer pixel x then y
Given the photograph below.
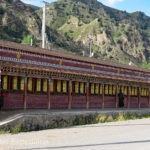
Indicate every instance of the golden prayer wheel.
{"type": "Point", "coordinates": [76, 87]}
{"type": "Point", "coordinates": [58, 86]}
{"type": "Point", "coordinates": [5, 82]}
{"type": "Point", "coordinates": [52, 86]}
{"type": "Point", "coordinates": [81, 87]}
{"type": "Point", "coordinates": [92, 88]}
{"type": "Point", "coordinates": [15, 83]}
{"type": "Point", "coordinates": [64, 86]}
{"type": "Point", "coordinates": [29, 85]}
{"type": "Point", "coordinates": [44, 85]}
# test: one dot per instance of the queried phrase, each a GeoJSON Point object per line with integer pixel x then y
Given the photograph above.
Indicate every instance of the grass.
{"type": "Point", "coordinates": [83, 120]}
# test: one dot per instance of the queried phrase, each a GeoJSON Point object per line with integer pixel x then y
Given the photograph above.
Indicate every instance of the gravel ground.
{"type": "Point", "coordinates": [125, 135]}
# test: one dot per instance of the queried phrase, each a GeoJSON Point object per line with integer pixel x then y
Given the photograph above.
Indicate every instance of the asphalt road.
{"type": "Point", "coordinates": [126, 135]}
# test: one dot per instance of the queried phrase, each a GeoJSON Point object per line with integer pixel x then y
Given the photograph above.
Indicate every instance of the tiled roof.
{"type": "Point", "coordinates": [67, 55]}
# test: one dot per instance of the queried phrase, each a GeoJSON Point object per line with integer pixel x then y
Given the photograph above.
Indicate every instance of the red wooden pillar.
{"type": "Point", "coordinates": [25, 93]}
{"type": "Point", "coordinates": [116, 96]}
{"type": "Point", "coordinates": [33, 85]}
{"type": "Point", "coordinates": [128, 97]}
{"type": "Point", "coordinates": [9, 80]}
{"type": "Point", "coordinates": [149, 97]}
{"type": "Point", "coordinates": [87, 95]}
{"type": "Point", "coordinates": [69, 94]}
{"type": "Point", "coordinates": [48, 94]}
{"type": "Point", "coordinates": [103, 92]}
{"type": "Point", "coordinates": [139, 96]}
{"type": "Point", "coordinates": [0, 77]}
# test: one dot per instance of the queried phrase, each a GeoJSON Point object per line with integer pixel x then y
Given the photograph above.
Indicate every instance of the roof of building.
{"type": "Point", "coordinates": [67, 55]}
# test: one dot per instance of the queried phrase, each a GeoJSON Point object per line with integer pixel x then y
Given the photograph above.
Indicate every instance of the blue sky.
{"type": "Point", "coordinates": [127, 5]}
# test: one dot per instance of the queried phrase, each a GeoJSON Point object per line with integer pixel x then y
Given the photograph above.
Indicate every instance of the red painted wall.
{"type": "Point", "coordinates": [109, 102]}
{"type": "Point", "coordinates": [59, 101]}
{"type": "Point", "coordinates": [125, 102]}
{"type": "Point", "coordinates": [95, 102]}
{"type": "Point", "coordinates": [36, 101]}
{"type": "Point", "coordinates": [133, 102]}
{"type": "Point", "coordinates": [13, 100]}
{"type": "Point", "coordinates": [78, 101]}
{"type": "Point", "coordinates": [144, 102]}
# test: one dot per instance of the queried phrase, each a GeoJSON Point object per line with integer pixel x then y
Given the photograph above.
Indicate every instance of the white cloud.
{"type": "Point", "coordinates": [111, 2]}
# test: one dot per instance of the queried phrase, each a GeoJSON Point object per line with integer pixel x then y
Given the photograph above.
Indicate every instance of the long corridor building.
{"type": "Point", "coordinates": [32, 77]}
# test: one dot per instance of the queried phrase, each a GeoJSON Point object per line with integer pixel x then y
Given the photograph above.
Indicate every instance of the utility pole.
{"type": "Point", "coordinates": [31, 42]}
{"type": "Point", "coordinates": [83, 53]}
{"type": "Point", "coordinates": [43, 25]}
{"type": "Point", "coordinates": [91, 53]}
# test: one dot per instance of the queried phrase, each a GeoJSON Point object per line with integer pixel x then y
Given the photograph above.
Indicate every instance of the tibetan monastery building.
{"type": "Point", "coordinates": [32, 77]}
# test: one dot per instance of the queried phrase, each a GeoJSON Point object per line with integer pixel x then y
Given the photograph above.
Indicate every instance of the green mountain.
{"type": "Point", "coordinates": [71, 25]}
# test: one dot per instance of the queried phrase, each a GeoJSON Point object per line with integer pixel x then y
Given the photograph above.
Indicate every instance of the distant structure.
{"type": "Point", "coordinates": [130, 63]}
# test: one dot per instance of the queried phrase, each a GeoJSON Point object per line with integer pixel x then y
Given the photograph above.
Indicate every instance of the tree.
{"type": "Point", "coordinates": [27, 40]}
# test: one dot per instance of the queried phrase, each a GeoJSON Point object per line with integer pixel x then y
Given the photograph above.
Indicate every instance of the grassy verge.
{"type": "Point", "coordinates": [81, 120]}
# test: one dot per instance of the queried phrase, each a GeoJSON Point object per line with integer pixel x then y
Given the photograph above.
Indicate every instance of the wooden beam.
{"type": "Point", "coordinates": [128, 97]}
{"type": "Point", "coordinates": [116, 96]}
{"type": "Point", "coordinates": [0, 79]}
{"type": "Point", "coordinates": [69, 94]}
{"type": "Point", "coordinates": [87, 95]}
{"type": "Point", "coordinates": [25, 93]}
{"type": "Point", "coordinates": [149, 97]}
{"type": "Point", "coordinates": [103, 92]}
{"type": "Point", "coordinates": [139, 97]}
{"type": "Point", "coordinates": [48, 94]}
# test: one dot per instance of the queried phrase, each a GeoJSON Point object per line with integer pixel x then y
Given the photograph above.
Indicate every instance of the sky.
{"type": "Point", "coordinates": [125, 5]}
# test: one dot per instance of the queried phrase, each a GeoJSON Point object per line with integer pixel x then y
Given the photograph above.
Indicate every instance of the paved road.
{"type": "Point", "coordinates": [126, 135]}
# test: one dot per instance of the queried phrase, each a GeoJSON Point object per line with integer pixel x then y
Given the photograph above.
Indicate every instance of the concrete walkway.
{"type": "Point", "coordinates": [125, 135]}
